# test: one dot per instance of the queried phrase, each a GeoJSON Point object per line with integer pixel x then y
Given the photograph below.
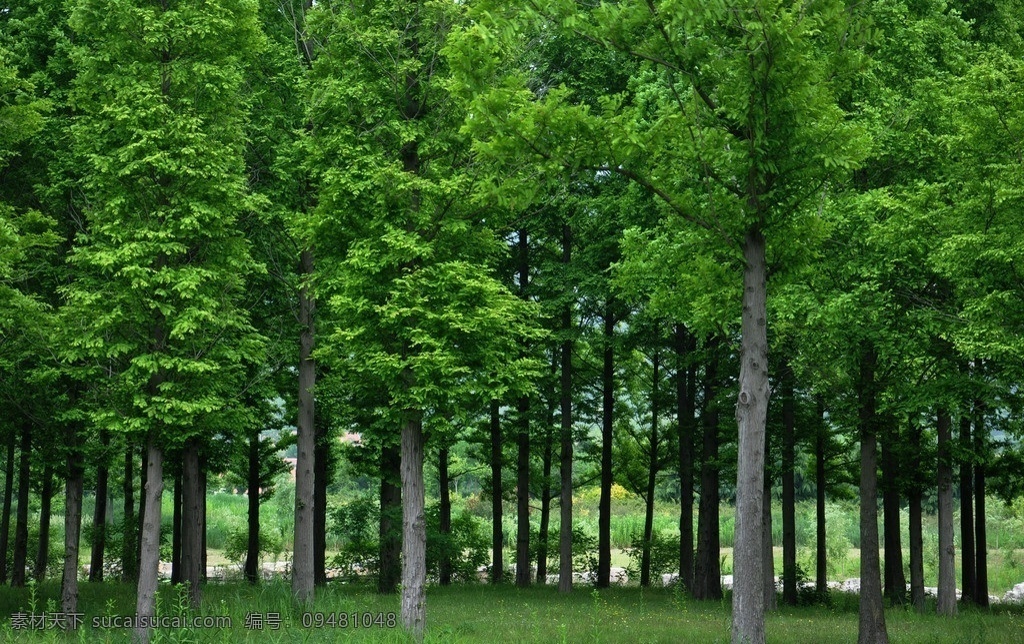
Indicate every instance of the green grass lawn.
{"type": "Point", "coordinates": [480, 613]}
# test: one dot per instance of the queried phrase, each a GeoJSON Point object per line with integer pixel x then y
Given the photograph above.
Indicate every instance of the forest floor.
{"type": "Point", "coordinates": [478, 613]}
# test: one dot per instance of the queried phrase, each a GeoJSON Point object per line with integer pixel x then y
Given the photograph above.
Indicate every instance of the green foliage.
{"type": "Point", "coordinates": [664, 554]}
{"type": "Point", "coordinates": [236, 547]}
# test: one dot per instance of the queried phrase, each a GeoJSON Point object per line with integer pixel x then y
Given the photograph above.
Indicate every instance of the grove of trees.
{"type": "Point", "coordinates": [580, 237]}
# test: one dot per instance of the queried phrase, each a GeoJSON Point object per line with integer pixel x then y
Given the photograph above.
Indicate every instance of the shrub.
{"type": "Point", "coordinates": [664, 554]}
{"type": "Point", "coordinates": [236, 546]}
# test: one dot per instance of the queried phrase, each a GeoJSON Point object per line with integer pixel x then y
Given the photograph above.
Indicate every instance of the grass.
{"type": "Point", "coordinates": [479, 613]}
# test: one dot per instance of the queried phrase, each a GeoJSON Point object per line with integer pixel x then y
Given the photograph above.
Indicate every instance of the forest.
{"type": "Point", "coordinates": [435, 293]}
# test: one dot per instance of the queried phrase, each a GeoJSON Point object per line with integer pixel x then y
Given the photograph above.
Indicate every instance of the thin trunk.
{"type": "Point", "coordinates": [497, 534]}
{"type": "Point", "coordinates": [652, 479]}
{"type": "Point", "coordinates": [5, 520]}
{"type": "Point", "coordinates": [821, 547]}
{"type": "Point", "coordinates": [129, 552]}
{"type": "Point", "coordinates": [445, 565]}
{"type": "Point", "coordinates": [968, 570]}
{"type": "Point", "coordinates": [565, 457]}
{"type": "Point", "coordinates": [895, 579]}
{"type": "Point", "coordinates": [947, 551]}
{"type": "Point", "coordinates": [390, 520]}
{"type": "Point", "coordinates": [789, 595]}
{"type": "Point", "coordinates": [543, 530]}
{"type": "Point", "coordinates": [73, 490]}
{"type": "Point", "coordinates": [523, 495]}
{"type": "Point", "coordinates": [149, 563]}
{"type": "Point", "coordinates": [99, 517]}
{"type": "Point", "coordinates": [604, 507]}
{"type": "Point", "coordinates": [302, 559]}
{"type": "Point", "coordinates": [321, 461]}
{"type": "Point", "coordinates": [707, 583]}
{"type": "Point", "coordinates": [523, 444]}
{"type": "Point", "coordinates": [916, 551]}
{"type": "Point", "coordinates": [252, 549]}
{"type": "Point", "coordinates": [140, 518]}
{"type": "Point", "coordinates": [771, 600]}
{"type": "Point", "coordinates": [176, 527]}
{"type": "Point", "coordinates": [414, 531]}
{"type": "Point", "coordinates": [751, 415]}
{"type": "Point", "coordinates": [686, 378]}
{"type": "Point", "coordinates": [21, 525]}
{"type": "Point", "coordinates": [45, 504]}
{"type": "Point", "coordinates": [871, 626]}
{"type": "Point", "coordinates": [191, 523]}
{"type": "Point", "coordinates": [203, 480]}
{"type": "Point", "coordinates": [980, 539]}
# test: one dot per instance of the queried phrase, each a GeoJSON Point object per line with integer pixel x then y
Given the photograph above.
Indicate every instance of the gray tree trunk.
{"type": "Point", "coordinates": [414, 531]}
{"type": "Point", "coordinates": [821, 548]}
{"type": "Point", "coordinates": [751, 415]}
{"type": "Point", "coordinates": [5, 520]}
{"type": "Point", "coordinates": [497, 534]}
{"type": "Point", "coordinates": [947, 551]}
{"type": "Point", "coordinates": [523, 444]}
{"type": "Point", "coordinates": [604, 506]}
{"type": "Point", "coordinates": [252, 546]}
{"type": "Point", "coordinates": [916, 552]}
{"type": "Point", "coordinates": [302, 559]}
{"type": "Point", "coordinates": [686, 378]}
{"type": "Point", "coordinates": [652, 478]}
{"type": "Point", "coordinates": [871, 626]}
{"type": "Point", "coordinates": [192, 527]}
{"type": "Point", "coordinates": [771, 600]}
{"type": "Point", "coordinates": [149, 563]}
{"type": "Point", "coordinates": [969, 580]}
{"type": "Point", "coordinates": [543, 531]}
{"type": "Point", "coordinates": [45, 504]}
{"type": "Point", "coordinates": [99, 516]}
{"type": "Point", "coordinates": [73, 490]}
{"type": "Point", "coordinates": [20, 556]}
{"type": "Point", "coordinates": [565, 458]}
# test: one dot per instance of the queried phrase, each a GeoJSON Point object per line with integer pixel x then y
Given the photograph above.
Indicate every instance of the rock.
{"type": "Point", "coordinates": [1015, 595]}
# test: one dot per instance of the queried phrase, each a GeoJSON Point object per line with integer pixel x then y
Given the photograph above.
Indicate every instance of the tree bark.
{"type": "Point", "coordinates": [789, 594]}
{"type": "Point", "coordinates": [149, 563]}
{"type": "Point", "coordinates": [871, 626]}
{"type": "Point", "coordinates": [192, 527]}
{"type": "Point", "coordinates": [947, 551]}
{"type": "Point", "coordinates": [203, 487]}
{"type": "Point", "coordinates": [895, 579]}
{"type": "Point", "coordinates": [543, 530]}
{"type": "Point", "coordinates": [321, 479]}
{"type": "Point", "coordinates": [140, 519]}
{"type": "Point", "coordinates": [414, 531]}
{"type": "Point", "coordinates": [821, 547]}
{"type": "Point", "coordinates": [771, 600]}
{"type": "Point", "coordinates": [445, 565]}
{"type": "Point", "coordinates": [390, 520]}
{"type": "Point", "coordinates": [707, 583]}
{"type": "Point", "coordinates": [252, 546]}
{"type": "Point", "coordinates": [497, 534]}
{"type": "Point", "coordinates": [751, 415]}
{"type": "Point", "coordinates": [20, 556]}
{"type": "Point", "coordinates": [129, 551]}
{"type": "Point", "coordinates": [177, 500]}
{"type": "Point", "coordinates": [45, 504]}
{"type": "Point", "coordinates": [968, 570]}
{"type": "Point", "coordinates": [99, 516]}
{"type": "Point", "coordinates": [5, 520]}
{"type": "Point", "coordinates": [73, 490]}
{"type": "Point", "coordinates": [302, 559]}
{"type": "Point", "coordinates": [686, 378]}
{"type": "Point", "coordinates": [916, 551]}
{"type": "Point", "coordinates": [980, 538]}
{"type": "Point", "coordinates": [523, 444]}
{"type": "Point", "coordinates": [604, 509]}
{"type": "Point", "coordinates": [652, 478]}
{"type": "Point", "coordinates": [565, 458]}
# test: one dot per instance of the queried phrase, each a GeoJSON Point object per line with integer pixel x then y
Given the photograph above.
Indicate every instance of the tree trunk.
{"type": "Point", "coordinates": [523, 445]}
{"type": "Point", "coordinates": [523, 495]}
{"type": "Point", "coordinates": [947, 551]}
{"type": "Point", "coordinates": [321, 479]}
{"type": "Point", "coordinates": [192, 527]}
{"type": "Point", "coordinates": [73, 490]}
{"type": "Point", "coordinates": [980, 539]}
{"type": "Point", "coordinates": [177, 501]}
{"type": "Point", "coordinates": [968, 570]}
{"type": "Point", "coordinates": [685, 401]}
{"type": "Point", "coordinates": [604, 509]}
{"type": "Point", "coordinates": [565, 460]}
{"type": "Point", "coordinates": [203, 480]}
{"type": "Point", "coordinates": [895, 579]}
{"type": "Point", "coordinates": [21, 525]}
{"type": "Point", "coordinates": [137, 538]}
{"type": "Point", "coordinates": [129, 551]}
{"type": "Point", "coordinates": [5, 520]}
{"type": "Point", "coordinates": [821, 547]}
{"type": "Point", "coordinates": [302, 560]}
{"type": "Point", "coordinates": [445, 565]}
{"type": "Point", "coordinates": [916, 552]}
{"type": "Point", "coordinates": [751, 415]}
{"type": "Point", "coordinates": [497, 534]}
{"type": "Point", "coordinates": [414, 531]}
{"type": "Point", "coordinates": [99, 516]}
{"type": "Point", "coordinates": [707, 583]}
{"type": "Point", "coordinates": [149, 563]}
{"type": "Point", "coordinates": [545, 507]}
{"type": "Point", "coordinates": [45, 504]}
{"type": "Point", "coordinates": [771, 600]}
{"type": "Point", "coordinates": [652, 479]}
{"type": "Point", "coordinates": [252, 546]}
{"type": "Point", "coordinates": [390, 520]}
{"type": "Point", "coordinates": [871, 626]}
{"type": "Point", "coordinates": [789, 594]}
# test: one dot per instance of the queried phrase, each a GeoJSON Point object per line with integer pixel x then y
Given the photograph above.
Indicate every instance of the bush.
{"type": "Point", "coordinates": [356, 526]}
{"type": "Point", "coordinates": [584, 550]}
{"type": "Point", "coordinates": [236, 546]}
{"type": "Point", "coordinates": [467, 544]}
{"type": "Point", "coordinates": [664, 554]}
